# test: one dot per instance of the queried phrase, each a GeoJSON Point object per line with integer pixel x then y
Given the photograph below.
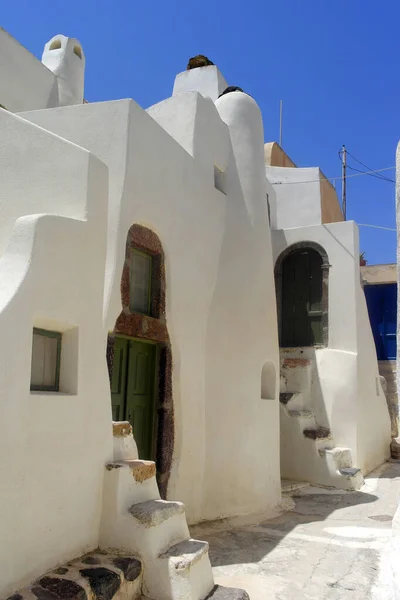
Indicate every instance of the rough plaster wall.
{"type": "Point", "coordinates": [185, 122]}
{"type": "Point", "coordinates": [243, 296]}
{"type": "Point", "coordinates": [387, 370]}
{"type": "Point", "coordinates": [344, 395]}
{"type": "Point", "coordinates": [156, 183]}
{"type": "Point", "coordinates": [374, 274]}
{"type": "Point", "coordinates": [69, 68]}
{"type": "Point", "coordinates": [296, 205]}
{"type": "Point", "coordinates": [43, 188]}
{"type": "Point", "coordinates": [330, 207]}
{"type": "Point", "coordinates": [25, 84]}
{"type": "Point", "coordinates": [209, 81]}
{"type": "Point", "coordinates": [52, 455]}
{"type": "Point", "coordinates": [275, 156]}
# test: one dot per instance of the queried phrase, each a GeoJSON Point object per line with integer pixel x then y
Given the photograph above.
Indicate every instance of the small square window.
{"type": "Point", "coordinates": [140, 282]}
{"type": "Point", "coordinates": [46, 355]}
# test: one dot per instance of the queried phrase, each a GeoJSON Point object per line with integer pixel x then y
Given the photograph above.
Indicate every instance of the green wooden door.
{"type": "Point", "coordinates": [132, 390]}
{"type": "Point", "coordinates": [302, 299]}
{"type": "Point", "coordinates": [118, 381]}
{"type": "Point", "coordinates": [140, 395]}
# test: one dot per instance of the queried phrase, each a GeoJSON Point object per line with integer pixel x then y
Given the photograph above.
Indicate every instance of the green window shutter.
{"type": "Point", "coordinates": [301, 314]}
{"type": "Point", "coordinates": [46, 358]}
{"type": "Point", "coordinates": [140, 282]}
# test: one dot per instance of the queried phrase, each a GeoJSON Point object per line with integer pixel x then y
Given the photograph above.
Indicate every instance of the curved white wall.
{"type": "Point", "coordinates": [53, 445]}
{"type": "Point", "coordinates": [25, 84]}
{"type": "Point", "coordinates": [218, 273]}
{"type": "Point", "coordinates": [65, 58]}
{"type": "Point", "coordinates": [347, 395]}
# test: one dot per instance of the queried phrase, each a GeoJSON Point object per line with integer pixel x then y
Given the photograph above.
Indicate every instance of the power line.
{"type": "Point", "coordinates": [376, 227]}
{"type": "Point", "coordinates": [367, 167]}
{"type": "Point", "coordinates": [372, 174]}
{"type": "Point", "coordinates": [333, 178]}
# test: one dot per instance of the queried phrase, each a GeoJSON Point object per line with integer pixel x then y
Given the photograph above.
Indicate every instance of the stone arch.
{"type": "Point", "coordinates": [290, 251]}
{"type": "Point", "coordinates": [151, 327]}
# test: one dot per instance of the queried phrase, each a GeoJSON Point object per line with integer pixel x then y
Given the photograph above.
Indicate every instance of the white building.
{"type": "Point", "coordinates": [145, 235]}
{"type": "Point", "coordinates": [333, 406]}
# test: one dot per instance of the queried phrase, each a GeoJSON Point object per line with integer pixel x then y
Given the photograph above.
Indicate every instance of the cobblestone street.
{"type": "Point", "coordinates": [329, 544]}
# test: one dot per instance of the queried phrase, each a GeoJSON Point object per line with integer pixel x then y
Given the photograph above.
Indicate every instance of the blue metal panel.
{"type": "Point", "coordinates": [382, 310]}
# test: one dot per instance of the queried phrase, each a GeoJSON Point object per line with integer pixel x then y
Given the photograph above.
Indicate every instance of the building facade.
{"type": "Point", "coordinates": [158, 274]}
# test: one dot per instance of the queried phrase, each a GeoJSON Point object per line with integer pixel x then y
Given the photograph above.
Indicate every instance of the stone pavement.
{"type": "Point", "coordinates": [329, 545]}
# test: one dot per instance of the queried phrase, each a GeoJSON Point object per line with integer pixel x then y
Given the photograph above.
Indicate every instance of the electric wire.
{"type": "Point", "coordinates": [367, 167]}
{"type": "Point", "coordinates": [364, 165]}
{"type": "Point", "coordinates": [376, 227]}
{"type": "Point", "coordinates": [333, 178]}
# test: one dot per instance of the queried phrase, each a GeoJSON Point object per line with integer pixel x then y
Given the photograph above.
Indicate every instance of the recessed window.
{"type": "Point", "coordinates": [140, 282]}
{"type": "Point", "coordinates": [55, 45]}
{"type": "Point", "coordinates": [46, 354]}
{"type": "Point", "coordinates": [78, 51]}
{"type": "Point", "coordinates": [219, 179]}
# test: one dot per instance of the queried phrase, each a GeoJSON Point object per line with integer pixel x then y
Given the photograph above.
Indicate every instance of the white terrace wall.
{"type": "Point", "coordinates": [28, 84]}
{"type": "Point", "coordinates": [53, 445]}
{"type": "Point", "coordinates": [354, 405]}
{"type": "Point", "coordinates": [221, 312]}
{"type": "Point", "coordinates": [295, 204]}
{"type": "Point", "coordinates": [25, 83]}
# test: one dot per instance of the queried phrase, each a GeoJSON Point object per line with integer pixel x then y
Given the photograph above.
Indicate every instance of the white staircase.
{"type": "Point", "coordinates": [308, 451]}
{"type": "Point", "coordinates": [176, 567]}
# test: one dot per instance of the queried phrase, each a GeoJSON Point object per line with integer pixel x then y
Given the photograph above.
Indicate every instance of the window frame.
{"type": "Point", "coordinates": [54, 335]}
{"type": "Point", "coordinates": [326, 266]}
{"type": "Point", "coordinates": [133, 252]}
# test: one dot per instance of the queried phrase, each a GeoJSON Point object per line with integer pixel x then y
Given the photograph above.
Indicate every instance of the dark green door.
{"type": "Point", "coordinates": [132, 390]}
{"type": "Point", "coordinates": [302, 299]}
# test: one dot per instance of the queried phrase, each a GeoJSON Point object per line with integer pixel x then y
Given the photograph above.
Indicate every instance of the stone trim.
{"type": "Point", "coordinates": [151, 327]}
{"type": "Point", "coordinates": [121, 429]}
{"type": "Point", "coordinates": [325, 285]}
{"type": "Point", "coordinates": [98, 575]}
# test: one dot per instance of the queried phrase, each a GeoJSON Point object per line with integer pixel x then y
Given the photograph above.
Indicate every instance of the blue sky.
{"type": "Point", "coordinates": [334, 65]}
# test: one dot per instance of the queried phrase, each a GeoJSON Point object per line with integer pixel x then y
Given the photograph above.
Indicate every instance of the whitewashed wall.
{"type": "Point", "coordinates": [298, 196]}
{"type": "Point", "coordinates": [25, 84]}
{"type": "Point", "coordinates": [350, 400]}
{"type": "Point", "coordinates": [53, 446]}
{"type": "Point", "coordinates": [221, 312]}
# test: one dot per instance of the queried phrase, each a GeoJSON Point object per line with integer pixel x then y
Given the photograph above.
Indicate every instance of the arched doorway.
{"type": "Point", "coordinates": [139, 353]}
{"type": "Point", "coordinates": [302, 293]}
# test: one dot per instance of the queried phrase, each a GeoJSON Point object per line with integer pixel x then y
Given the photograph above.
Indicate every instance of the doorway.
{"type": "Point", "coordinates": [382, 310]}
{"type": "Point", "coordinates": [132, 390]}
{"type": "Point", "coordinates": [302, 305]}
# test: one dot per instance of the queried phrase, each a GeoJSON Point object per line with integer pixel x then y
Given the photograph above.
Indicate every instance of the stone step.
{"type": "Point", "coordinates": [285, 397]}
{"type": "Point", "coordinates": [317, 433]}
{"type": "Point", "coordinates": [155, 512]}
{"type": "Point", "coordinates": [304, 418]}
{"type": "Point", "coordinates": [290, 485]}
{"type": "Point", "coordinates": [188, 575]}
{"type": "Point", "coordinates": [130, 482]}
{"type": "Point", "coordinates": [353, 478]}
{"type": "Point", "coordinates": [340, 458]}
{"type": "Point", "coordinates": [221, 592]}
{"type": "Point", "coordinates": [302, 412]}
{"type": "Point", "coordinates": [96, 575]}
{"type": "Point", "coordinates": [185, 554]}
